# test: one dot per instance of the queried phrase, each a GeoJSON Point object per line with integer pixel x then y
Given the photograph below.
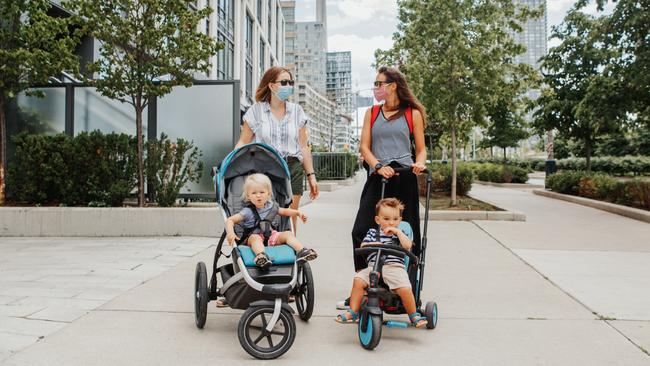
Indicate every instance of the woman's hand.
{"type": "Point", "coordinates": [386, 172]}
{"type": "Point", "coordinates": [418, 167]}
{"type": "Point", "coordinates": [313, 186]}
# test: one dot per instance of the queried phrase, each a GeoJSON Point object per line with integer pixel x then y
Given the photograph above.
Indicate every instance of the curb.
{"type": "Point", "coordinates": [509, 185]}
{"type": "Point", "coordinates": [442, 215]}
{"type": "Point", "coordinates": [630, 212]}
{"type": "Point", "coordinates": [113, 221]}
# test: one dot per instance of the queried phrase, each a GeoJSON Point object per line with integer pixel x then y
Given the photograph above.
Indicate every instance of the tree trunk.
{"type": "Point", "coordinates": [454, 200]}
{"type": "Point", "coordinates": [505, 159]}
{"type": "Point", "coordinates": [3, 149]}
{"type": "Point", "coordinates": [549, 145]}
{"type": "Point", "coordinates": [138, 127]}
{"type": "Point", "coordinates": [588, 154]}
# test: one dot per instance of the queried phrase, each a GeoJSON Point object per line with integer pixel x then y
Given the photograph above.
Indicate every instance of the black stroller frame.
{"type": "Point", "coordinates": [379, 298]}
{"type": "Point", "coordinates": [263, 294]}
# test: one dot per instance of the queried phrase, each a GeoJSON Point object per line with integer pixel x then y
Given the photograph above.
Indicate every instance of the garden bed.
{"type": "Point", "coordinates": [442, 201]}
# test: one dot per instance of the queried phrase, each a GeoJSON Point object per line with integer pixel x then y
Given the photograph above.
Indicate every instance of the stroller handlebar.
{"type": "Point", "coordinates": [387, 248]}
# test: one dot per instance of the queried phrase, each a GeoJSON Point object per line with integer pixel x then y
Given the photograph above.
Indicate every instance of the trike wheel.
{"type": "Point", "coordinates": [431, 312]}
{"type": "Point", "coordinates": [369, 329]}
{"type": "Point", "coordinates": [200, 294]}
{"type": "Point", "coordinates": [259, 342]}
{"type": "Point", "coordinates": [304, 292]}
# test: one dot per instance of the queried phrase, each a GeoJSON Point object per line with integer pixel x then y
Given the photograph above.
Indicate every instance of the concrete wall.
{"type": "Point", "coordinates": [82, 221]}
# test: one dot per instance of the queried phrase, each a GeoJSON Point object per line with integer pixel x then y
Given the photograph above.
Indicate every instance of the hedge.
{"type": "Point", "coordinates": [441, 179]}
{"type": "Point", "coordinates": [330, 166]}
{"type": "Point", "coordinates": [614, 165]}
{"type": "Point", "coordinates": [498, 173]}
{"type": "Point", "coordinates": [634, 193]}
{"type": "Point", "coordinates": [89, 169]}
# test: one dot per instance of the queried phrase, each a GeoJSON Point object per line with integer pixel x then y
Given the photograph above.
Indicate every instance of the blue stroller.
{"type": "Point", "coordinates": [267, 328]}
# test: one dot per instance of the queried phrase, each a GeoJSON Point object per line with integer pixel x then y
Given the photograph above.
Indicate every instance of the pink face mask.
{"type": "Point", "coordinates": [380, 93]}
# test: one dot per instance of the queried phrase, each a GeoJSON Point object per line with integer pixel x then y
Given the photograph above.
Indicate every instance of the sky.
{"type": "Point", "coordinates": [362, 26]}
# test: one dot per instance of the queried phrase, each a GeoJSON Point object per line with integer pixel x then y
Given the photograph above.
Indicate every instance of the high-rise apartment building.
{"type": "Point", "coordinates": [252, 34]}
{"type": "Point", "coordinates": [339, 80]}
{"type": "Point", "coordinates": [321, 112]}
{"type": "Point", "coordinates": [533, 37]}
{"type": "Point", "coordinates": [311, 54]}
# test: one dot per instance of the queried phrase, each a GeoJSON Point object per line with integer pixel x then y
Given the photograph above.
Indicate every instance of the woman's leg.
{"type": "Point", "coordinates": [365, 217]}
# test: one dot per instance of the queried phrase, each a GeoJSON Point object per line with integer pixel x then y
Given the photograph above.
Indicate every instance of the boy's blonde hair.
{"type": "Point", "coordinates": [256, 178]}
{"type": "Point", "coordinates": [389, 202]}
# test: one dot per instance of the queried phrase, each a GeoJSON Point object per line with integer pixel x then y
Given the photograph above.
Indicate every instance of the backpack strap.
{"type": "Point", "coordinates": [374, 112]}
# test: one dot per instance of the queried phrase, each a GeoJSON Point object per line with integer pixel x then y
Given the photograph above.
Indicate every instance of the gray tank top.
{"type": "Point", "coordinates": [391, 140]}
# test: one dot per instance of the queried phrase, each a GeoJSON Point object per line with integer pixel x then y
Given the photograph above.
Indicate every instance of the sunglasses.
{"type": "Point", "coordinates": [379, 82]}
{"type": "Point", "coordinates": [285, 82]}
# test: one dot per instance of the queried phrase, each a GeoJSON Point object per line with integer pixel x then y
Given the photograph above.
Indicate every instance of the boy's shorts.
{"type": "Point", "coordinates": [273, 238]}
{"type": "Point", "coordinates": [394, 275]}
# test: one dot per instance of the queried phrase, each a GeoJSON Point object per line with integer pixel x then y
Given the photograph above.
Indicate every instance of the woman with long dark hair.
{"type": "Point", "coordinates": [389, 132]}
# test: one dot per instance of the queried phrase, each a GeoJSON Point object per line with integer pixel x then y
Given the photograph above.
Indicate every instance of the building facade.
{"type": "Point", "coordinates": [339, 80]}
{"type": "Point", "coordinates": [290, 34]}
{"type": "Point", "coordinates": [311, 55]}
{"type": "Point", "coordinates": [252, 34]}
{"type": "Point", "coordinates": [533, 37]}
{"type": "Point", "coordinates": [322, 115]}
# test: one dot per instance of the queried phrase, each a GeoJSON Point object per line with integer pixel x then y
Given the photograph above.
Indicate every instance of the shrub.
{"type": "Point", "coordinates": [168, 168]}
{"type": "Point", "coordinates": [89, 169]}
{"type": "Point", "coordinates": [497, 173]}
{"type": "Point", "coordinates": [331, 166]}
{"type": "Point", "coordinates": [441, 179]}
{"type": "Point", "coordinates": [565, 182]}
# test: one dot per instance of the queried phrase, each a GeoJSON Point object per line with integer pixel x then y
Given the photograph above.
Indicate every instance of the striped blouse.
{"type": "Point", "coordinates": [283, 135]}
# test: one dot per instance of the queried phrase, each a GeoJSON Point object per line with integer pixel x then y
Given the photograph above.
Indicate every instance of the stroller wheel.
{"type": "Point", "coordinates": [370, 330]}
{"type": "Point", "coordinates": [304, 292]}
{"type": "Point", "coordinates": [259, 342]}
{"type": "Point", "coordinates": [200, 295]}
{"type": "Point", "coordinates": [431, 312]}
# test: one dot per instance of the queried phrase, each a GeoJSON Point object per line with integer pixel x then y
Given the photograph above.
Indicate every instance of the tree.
{"type": "Point", "coordinates": [33, 47]}
{"type": "Point", "coordinates": [506, 127]}
{"type": "Point", "coordinates": [458, 57]}
{"type": "Point", "coordinates": [147, 48]}
{"type": "Point", "coordinates": [583, 98]}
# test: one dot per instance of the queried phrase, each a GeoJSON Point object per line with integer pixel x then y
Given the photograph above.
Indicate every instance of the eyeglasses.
{"type": "Point", "coordinates": [379, 82]}
{"type": "Point", "coordinates": [285, 82]}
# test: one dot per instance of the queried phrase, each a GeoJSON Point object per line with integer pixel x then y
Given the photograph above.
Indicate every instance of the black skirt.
{"type": "Point", "coordinates": [403, 187]}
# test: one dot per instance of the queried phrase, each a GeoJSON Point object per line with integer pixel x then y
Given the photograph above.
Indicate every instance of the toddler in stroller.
{"type": "Point", "coordinates": [267, 327]}
{"type": "Point", "coordinates": [257, 219]}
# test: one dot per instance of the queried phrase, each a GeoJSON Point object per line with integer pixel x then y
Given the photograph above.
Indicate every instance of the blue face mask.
{"type": "Point", "coordinates": [284, 92]}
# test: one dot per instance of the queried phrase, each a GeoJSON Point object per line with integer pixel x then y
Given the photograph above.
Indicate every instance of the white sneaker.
{"type": "Point", "coordinates": [343, 305]}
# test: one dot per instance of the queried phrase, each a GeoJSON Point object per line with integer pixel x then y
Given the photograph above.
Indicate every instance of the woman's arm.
{"type": "Point", "coordinates": [308, 163]}
{"type": "Point", "coordinates": [365, 148]}
{"type": "Point", "coordinates": [245, 136]}
{"type": "Point", "coordinates": [420, 147]}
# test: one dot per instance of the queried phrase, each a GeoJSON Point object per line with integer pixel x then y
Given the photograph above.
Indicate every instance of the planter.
{"type": "Point", "coordinates": [116, 221]}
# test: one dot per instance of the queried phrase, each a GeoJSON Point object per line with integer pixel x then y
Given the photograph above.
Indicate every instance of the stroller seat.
{"type": "Point", "coordinates": [279, 254]}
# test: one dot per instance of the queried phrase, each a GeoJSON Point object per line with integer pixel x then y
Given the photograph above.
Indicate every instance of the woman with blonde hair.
{"type": "Point", "coordinates": [275, 121]}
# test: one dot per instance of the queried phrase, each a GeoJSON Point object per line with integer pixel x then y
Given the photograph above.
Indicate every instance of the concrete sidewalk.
{"type": "Point", "coordinates": [496, 306]}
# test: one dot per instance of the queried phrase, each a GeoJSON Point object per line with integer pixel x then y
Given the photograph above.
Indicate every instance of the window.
{"type": "Point", "coordinates": [259, 11]}
{"type": "Point", "coordinates": [262, 57]}
{"type": "Point", "coordinates": [249, 57]}
{"type": "Point", "coordinates": [225, 15]}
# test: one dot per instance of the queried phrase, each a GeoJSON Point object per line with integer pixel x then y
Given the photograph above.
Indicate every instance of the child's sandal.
{"type": "Point", "coordinates": [306, 255]}
{"type": "Point", "coordinates": [418, 320]}
{"type": "Point", "coordinates": [262, 260]}
{"type": "Point", "coordinates": [348, 317]}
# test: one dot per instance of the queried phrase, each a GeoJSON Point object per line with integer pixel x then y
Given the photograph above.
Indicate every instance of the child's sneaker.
{"type": "Point", "coordinates": [263, 261]}
{"type": "Point", "coordinates": [306, 255]}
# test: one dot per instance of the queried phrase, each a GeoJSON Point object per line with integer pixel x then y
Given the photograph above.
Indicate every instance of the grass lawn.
{"type": "Point", "coordinates": [441, 201]}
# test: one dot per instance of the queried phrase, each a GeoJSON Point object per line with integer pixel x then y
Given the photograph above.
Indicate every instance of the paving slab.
{"type": "Point", "coordinates": [637, 331]}
{"type": "Point", "coordinates": [614, 284]}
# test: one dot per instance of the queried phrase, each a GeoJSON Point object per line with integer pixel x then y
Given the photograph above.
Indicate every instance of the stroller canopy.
{"type": "Point", "coordinates": [248, 159]}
